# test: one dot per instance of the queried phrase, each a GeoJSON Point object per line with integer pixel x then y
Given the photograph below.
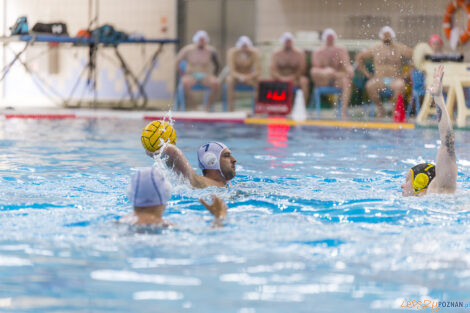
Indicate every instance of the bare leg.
{"type": "Point", "coordinates": [373, 87]}
{"type": "Point", "coordinates": [303, 82]}
{"type": "Point", "coordinates": [398, 87]}
{"type": "Point", "coordinates": [211, 82]}
{"type": "Point", "coordinates": [231, 81]}
{"type": "Point", "coordinates": [344, 82]}
{"type": "Point", "coordinates": [322, 76]}
{"type": "Point", "coordinates": [188, 82]}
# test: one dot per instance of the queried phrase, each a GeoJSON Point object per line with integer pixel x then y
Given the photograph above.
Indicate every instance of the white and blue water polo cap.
{"type": "Point", "coordinates": [208, 155]}
{"type": "Point", "coordinates": [149, 188]}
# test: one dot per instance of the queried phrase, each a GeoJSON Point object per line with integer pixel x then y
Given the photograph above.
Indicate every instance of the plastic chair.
{"type": "Point", "coordinates": [418, 90]}
{"type": "Point", "coordinates": [324, 90]}
{"type": "Point", "coordinates": [238, 87]}
{"type": "Point", "coordinates": [180, 101]}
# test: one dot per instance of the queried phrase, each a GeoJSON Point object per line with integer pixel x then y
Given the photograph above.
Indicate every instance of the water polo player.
{"type": "Point", "coordinates": [149, 193]}
{"type": "Point", "coordinates": [215, 159]}
{"type": "Point", "coordinates": [442, 178]}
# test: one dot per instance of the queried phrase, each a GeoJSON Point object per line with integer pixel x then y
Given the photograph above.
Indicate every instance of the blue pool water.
{"type": "Point", "coordinates": [316, 223]}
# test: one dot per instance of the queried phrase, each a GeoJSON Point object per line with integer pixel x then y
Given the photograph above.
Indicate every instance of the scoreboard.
{"type": "Point", "coordinates": [274, 97]}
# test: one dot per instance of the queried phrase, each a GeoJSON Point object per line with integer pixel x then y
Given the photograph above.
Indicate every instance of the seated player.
{"type": "Point", "coordinates": [149, 192]}
{"type": "Point", "coordinates": [332, 67]}
{"type": "Point", "coordinates": [442, 178]}
{"type": "Point", "coordinates": [245, 67]}
{"type": "Point", "coordinates": [199, 57]}
{"type": "Point", "coordinates": [388, 58]}
{"type": "Point", "coordinates": [288, 64]}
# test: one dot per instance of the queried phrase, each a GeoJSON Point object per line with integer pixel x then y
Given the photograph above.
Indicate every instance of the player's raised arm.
{"type": "Point", "coordinates": [446, 164]}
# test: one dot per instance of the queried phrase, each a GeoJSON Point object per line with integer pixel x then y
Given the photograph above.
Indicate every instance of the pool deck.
{"type": "Point", "coordinates": [195, 116]}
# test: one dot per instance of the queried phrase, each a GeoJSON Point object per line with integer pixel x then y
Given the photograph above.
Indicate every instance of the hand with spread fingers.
{"type": "Point", "coordinates": [218, 208]}
{"type": "Point", "coordinates": [436, 88]}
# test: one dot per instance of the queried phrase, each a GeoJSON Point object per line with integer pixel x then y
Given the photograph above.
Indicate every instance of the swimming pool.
{"type": "Point", "coordinates": [316, 222]}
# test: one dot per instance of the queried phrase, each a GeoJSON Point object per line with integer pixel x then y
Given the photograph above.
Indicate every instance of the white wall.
{"type": "Point", "coordinates": [413, 20]}
{"type": "Point", "coordinates": [62, 67]}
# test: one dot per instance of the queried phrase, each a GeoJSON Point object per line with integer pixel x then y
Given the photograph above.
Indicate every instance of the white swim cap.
{"type": "Point", "coordinates": [327, 32]}
{"type": "Point", "coordinates": [286, 36]}
{"type": "Point", "coordinates": [200, 34]}
{"type": "Point", "coordinates": [208, 155]}
{"type": "Point", "coordinates": [149, 188]}
{"type": "Point", "coordinates": [244, 40]}
{"type": "Point", "coordinates": [386, 29]}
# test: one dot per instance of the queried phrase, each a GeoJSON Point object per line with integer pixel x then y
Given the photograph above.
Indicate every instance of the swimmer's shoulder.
{"type": "Point", "coordinates": [402, 47]}
{"type": "Point", "coordinates": [435, 187]}
{"type": "Point", "coordinates": [204, 182]}
{"type": "Point", "coordinates": [211, 49]}
{"type": "Point", "coordinates": [299, 51]}
{"type": "Point", "coordinates": [232, 51]}
{"type": "Point", "coordinates": [319, 51]}
{"type": "Point", "coordinates": [277, 52]}
{"type": "Point", "coordinates": [128, 219]}
{"type": "Point", "coordinates": [254, 51]}
{"type": "Point", "coordinates": [189, 47]}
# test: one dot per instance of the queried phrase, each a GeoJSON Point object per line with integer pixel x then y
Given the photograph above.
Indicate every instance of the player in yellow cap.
{"type": "Point", "coordinates": [442, 178]}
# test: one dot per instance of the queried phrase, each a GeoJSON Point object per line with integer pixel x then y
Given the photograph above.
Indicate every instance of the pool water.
{"type": "Point", "coordinates": [316, 222]}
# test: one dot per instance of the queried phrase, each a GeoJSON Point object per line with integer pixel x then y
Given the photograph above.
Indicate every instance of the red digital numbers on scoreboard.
{"type": "Point", "coordinates": [274, 97]}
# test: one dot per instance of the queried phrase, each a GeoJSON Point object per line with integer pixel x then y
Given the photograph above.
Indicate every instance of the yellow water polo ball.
{"type": "Point", "coordinates": [156, 133]}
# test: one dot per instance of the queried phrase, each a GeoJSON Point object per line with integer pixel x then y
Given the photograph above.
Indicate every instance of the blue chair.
{"type": "Point", "coordinates": [238, 87]}
{"type": "Point", "coordinates": [180, 101]}
{"type": "Point", "coordinates": [418, 90]}
{"type": "Point", "coordinates": [325, 90]}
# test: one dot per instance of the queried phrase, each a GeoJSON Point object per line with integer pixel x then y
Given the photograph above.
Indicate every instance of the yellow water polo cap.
{"type": "Point", "coordinates": [422, 175]}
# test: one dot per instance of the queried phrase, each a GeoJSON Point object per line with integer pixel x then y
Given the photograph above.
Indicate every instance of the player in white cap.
{"type": "Point", "coordinates": [289, 64]}
{"type": "Point", "coordinates": [215, 160]}
{"type": "Point", "coordinates": [332, 67]}
{"type": "Point", "coordinates": [244, 63]}
{"type": "Point", "coordinates": [149, 193]}
{"type": "Point", "coordinates": [201, 64]}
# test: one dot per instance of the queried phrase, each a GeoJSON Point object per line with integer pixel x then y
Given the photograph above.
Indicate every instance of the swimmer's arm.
{"type": "Point", "coordinates": [257, 65]}
{"type": "Point", "coordinates": [446, 164]}
{"type": "Point", "coordinates": [303, 64]}
{"type": "Point", "coordinates": [346, 62]}
{"type": "Point", "coordinates": [273, 68]}
{"type": "Point", "coordinates": [360, 58]}
{"type": "Point", "coordinates": [215, 60]}
{"type": "Point", "coordinates": [180, 57]}
{"type": "Point", "coordinates": [232, 65]}
{"type": "Point", "coordinates": [176, 160]}
{"type": "Point", "coordinates": [407, 52]}
{"type": "Point", "coordinates": [218, 209]}
{"type": "Point", "coordinates": [315, 59]}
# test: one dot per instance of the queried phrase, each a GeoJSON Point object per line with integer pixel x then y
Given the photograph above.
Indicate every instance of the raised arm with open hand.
{"type": "Point", "coordinates": [446, 165]}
